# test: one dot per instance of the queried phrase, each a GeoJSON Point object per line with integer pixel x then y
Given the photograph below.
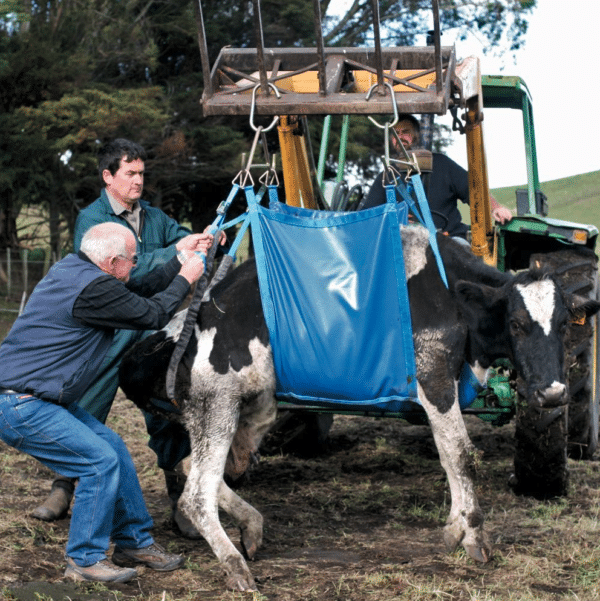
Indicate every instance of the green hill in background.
{"type": "Point", "coordinates": [574, 198]}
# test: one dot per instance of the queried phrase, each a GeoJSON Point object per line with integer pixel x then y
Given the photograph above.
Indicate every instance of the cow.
{"type": "Point", "coordinates": [228, 382]}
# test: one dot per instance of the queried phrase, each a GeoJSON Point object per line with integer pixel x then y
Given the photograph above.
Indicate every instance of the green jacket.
{"type": "Point", "coordinates": [155, 245]}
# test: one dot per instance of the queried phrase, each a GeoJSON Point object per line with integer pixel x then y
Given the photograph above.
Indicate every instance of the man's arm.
{"type": "Point", "coordinates": [108, 303]}
{"type": "Point", "coordinates": [460, 180]}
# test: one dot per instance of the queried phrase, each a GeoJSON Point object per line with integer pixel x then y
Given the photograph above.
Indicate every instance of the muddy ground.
{"type": "Point", "coordinates": [361, 521]}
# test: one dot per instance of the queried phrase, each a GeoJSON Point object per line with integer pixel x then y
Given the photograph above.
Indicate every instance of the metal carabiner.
{"type": "Point", "coordinates": [270, 177]}
{"type": "Point", "coordinates": [275, 120]}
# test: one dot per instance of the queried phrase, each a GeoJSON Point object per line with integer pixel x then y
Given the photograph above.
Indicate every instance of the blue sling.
{"type": "Point", "coordinates": [336, 305]}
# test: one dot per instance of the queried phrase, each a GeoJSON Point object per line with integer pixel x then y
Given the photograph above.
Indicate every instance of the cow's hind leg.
{"type": "Point", "coordinates": [212, 427]}
{"type": "Point", "coordinates": [458, 456]}
{"type": "Point", "coordinates": [257, 415]}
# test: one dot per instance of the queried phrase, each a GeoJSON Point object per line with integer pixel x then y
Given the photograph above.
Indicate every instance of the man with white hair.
{"type": "Point", "coordinates": [53, 350]}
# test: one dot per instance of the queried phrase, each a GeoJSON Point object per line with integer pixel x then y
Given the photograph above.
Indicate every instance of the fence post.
{"type": "Point", "coordinates": [8, 273]}
{"type": "Point", "coordinates": [25, 270]}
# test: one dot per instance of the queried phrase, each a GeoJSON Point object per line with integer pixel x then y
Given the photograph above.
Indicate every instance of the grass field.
{"type": "Point", "coordinates": [574, 198]}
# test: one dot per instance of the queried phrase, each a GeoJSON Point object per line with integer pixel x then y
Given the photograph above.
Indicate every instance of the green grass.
{"type": "Point", "coordinates": [574, 198]}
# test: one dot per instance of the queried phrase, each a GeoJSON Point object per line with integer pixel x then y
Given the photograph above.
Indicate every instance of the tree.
{"type": "Point", "coordinates": [75, 73]}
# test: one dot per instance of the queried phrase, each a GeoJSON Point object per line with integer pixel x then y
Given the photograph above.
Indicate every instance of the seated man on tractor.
{"type": "Point", "coordinates": [447, 183]}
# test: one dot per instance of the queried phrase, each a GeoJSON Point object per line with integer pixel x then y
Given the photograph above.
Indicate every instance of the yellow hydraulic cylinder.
{"type": "Point", "coordinates": [482, 241]}
{"type": "Point", "coordinates": [297, 183]}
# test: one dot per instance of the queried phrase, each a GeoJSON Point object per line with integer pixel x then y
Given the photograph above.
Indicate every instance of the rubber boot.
{"type": "Point", "coordinates": [175, 480]}
{"type": "Point", "coordinates": [56, 506]}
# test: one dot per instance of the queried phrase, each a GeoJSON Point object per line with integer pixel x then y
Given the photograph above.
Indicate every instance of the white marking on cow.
{"type": "Point", "coordinates": [175, 326]}
{"type": "Point", "coordinates": [415, 240]}
{"type": "Point", "coordinates": [539, 301]}
{"type": "Point", "coordinates": [249, 380]}
{"type": "Point", "coordinates": [481, 373]}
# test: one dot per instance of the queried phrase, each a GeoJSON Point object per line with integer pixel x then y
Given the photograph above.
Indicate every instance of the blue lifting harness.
{"type": "Point", "coordinates": [335, 300]}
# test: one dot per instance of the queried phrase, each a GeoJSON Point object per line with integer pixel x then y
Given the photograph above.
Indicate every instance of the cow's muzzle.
{"type": "Point", "coordinates": [554, 395]}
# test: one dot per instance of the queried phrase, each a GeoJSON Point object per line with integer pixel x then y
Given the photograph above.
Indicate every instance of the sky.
{"type": "Point", "coordinates": [559, 64]}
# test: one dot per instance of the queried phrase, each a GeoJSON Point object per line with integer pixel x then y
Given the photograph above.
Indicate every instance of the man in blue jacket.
{"type": "Point", "coordinates": [54, 349]}
{"type": "Point", "coordinates": [158, 239]}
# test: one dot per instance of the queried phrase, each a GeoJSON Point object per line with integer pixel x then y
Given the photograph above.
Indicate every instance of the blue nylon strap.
{"type": "Point", "coordinates": [222, 209]}
{"type": "Point", "coordinates": [259, 254]}
{"type": "Point", "coordinates": [240, 234]}
{"type": "Point", "coordinates": [424, 216]}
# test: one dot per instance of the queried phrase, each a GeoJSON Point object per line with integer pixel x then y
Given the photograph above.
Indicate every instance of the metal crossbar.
{"type": "Point", "coordinates": [329, 76]}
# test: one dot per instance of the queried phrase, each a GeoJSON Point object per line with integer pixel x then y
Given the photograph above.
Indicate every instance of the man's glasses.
{"type": "Point", "coordinates": [133, 259]}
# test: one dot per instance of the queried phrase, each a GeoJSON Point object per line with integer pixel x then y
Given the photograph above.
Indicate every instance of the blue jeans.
{"type": "Point", "coordinates": [109, 504]}
{"type": "Point", "coordinates": [169, 440]}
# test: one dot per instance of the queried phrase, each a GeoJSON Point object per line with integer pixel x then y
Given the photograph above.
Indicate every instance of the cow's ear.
{"type": "Point", "coordinates": [475, 297]}
{"type": "Point", "coordinates": [580, 307]}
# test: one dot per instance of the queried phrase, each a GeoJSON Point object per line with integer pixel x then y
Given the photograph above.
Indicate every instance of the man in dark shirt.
{"type": "Point", "coordinates": [53, 350]}
{"type": "Point", "coordinates": [447, 183]}
{"type": "Point", "coordinates": [121, 167]}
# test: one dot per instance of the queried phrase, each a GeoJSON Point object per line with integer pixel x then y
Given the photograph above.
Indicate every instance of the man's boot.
{"type": "Point", "coordinates": [56, 506]}
{"type": "Point", "coordinates": [175, 480]}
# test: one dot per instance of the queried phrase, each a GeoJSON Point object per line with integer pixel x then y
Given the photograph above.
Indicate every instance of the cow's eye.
{"type": "Point", "coordinates": [516, 328]}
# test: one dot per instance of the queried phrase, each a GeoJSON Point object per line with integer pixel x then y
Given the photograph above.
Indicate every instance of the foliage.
{"type": "Point", "coordinates": [403, 20]}
{"type": "Point", "coordinates": [76, 73]}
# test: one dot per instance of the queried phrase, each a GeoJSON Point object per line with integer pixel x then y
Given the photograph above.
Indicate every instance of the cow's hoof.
{"type": "Point", "coordinates": [238, 576]}
{"type": "Point", "coordinates": [478, 553]}
{"type": "Point", "coordinates": [251, 541]}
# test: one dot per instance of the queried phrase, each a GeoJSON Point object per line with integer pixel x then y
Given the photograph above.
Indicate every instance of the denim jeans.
{"type": "Point", "coordinates": [169, 440]}
{"type": "Point", "coordinates": [108, 500]}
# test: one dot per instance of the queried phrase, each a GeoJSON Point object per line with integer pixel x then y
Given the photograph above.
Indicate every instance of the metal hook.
{"type": "Point", "coordinates": [394, 106]}
{"type": "Point", "coordinates": [275, 119]}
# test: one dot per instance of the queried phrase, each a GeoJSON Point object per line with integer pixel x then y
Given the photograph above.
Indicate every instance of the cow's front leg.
{"type": "Point", "coordinates": [458, 456]}
{"type": "Point", "coordinates": [212, 426]}
{"type": "Point", "coordinates": [249, 519]}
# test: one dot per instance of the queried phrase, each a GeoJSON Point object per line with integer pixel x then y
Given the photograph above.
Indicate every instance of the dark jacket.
{"type": "Point", "coordinates": [447, 183]}
{"type": "Point", "coordinates": [155, 245]}
{"type": "Point", "coordinates": [53, 355]}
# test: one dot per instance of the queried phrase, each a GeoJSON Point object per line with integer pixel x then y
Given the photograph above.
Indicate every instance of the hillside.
{"type": "Point", "coordinates": [574, 198]}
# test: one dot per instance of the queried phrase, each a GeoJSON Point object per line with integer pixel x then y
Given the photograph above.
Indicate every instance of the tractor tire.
{"type": "Point", "coordinates": [577, 270]}
{"type": "Point", "coordinates": [298, 433]}
{"type": "Point", "coordinates": [545, 437]}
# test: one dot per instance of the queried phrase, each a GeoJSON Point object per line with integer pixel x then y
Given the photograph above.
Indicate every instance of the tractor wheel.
{"type": "Point", "coordinates": [544, 436]}
{"type": "Point", "coordinates": [577, 269]}
{"type": "Point", "coordinates": [300, 433]}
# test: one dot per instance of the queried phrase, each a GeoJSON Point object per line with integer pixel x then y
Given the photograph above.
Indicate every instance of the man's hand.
{"type": "Point", "coordinates": [501, 214]}
{"type": "Point", "coordinates": [195, 242]}
{"type": "Point", "coordinates": [222, 237]}
{"type": "Point", "coordinates": [192, 267]}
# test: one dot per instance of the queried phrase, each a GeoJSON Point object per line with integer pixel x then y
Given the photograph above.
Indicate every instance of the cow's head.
{"type": "Point", "coordinates": [525, 320]}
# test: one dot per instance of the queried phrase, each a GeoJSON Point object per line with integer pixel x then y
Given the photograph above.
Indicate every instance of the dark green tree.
{"type": "Point", "coordinates": [75, 73]}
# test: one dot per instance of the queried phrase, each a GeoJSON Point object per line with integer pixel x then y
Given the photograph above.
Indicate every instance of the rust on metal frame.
{"type": "Point", "coordinates": [237, 71]}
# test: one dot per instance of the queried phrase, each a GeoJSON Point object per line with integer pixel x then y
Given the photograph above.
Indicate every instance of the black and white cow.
{"type": "Point", "coordinates": [228, 381]}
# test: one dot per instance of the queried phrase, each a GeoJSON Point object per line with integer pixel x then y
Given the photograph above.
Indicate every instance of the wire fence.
{"type": "Point", "coordinates": [20, 271]}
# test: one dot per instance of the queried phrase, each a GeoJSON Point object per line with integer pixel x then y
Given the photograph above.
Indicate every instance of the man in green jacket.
{"type": "Point", "coordinates": [159, 238]}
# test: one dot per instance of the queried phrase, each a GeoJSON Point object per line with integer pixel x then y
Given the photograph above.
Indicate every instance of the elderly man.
{"type": "Point", "coordinates": [54, 349]}
{"type": "Point", "coordinates": [121, 166]}
{"type": "Point", "coordinates": [447, 184]}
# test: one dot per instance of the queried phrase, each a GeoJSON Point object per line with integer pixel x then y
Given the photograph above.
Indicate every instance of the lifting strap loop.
{"type": "Point", "coordinates": [201, 288]}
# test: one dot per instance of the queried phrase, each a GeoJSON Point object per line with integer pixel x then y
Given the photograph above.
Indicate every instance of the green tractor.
{"type": "Point", "coordinates": [532, 239]}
